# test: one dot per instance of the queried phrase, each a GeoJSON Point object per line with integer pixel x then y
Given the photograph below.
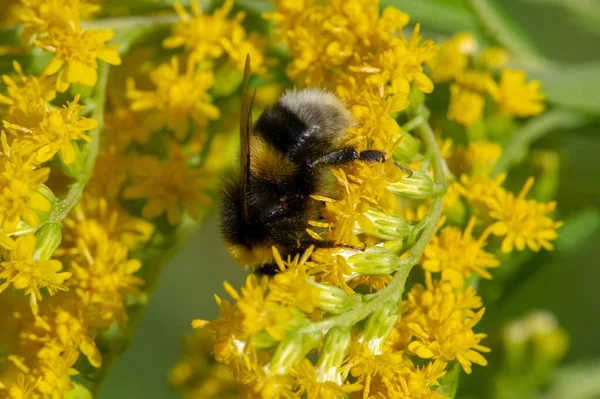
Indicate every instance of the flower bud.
{"type": "Point", "coordinates": [291, 350]}
{"type": "Point", "coordinates": [380, 225]}
{"type": "Point", "coordinates": [42, 202]}
{"type": "Point", "coordinates": [47, 238]}
{"type": "Point", "coordinates": [373, 260]}
{"type": "Point", "coordinates": [417, 186]}
{"type": "Point", "coordinates": [75, 168]}
{"type": "Point", "coordinates": [334, 300]}
{"type": "Point", "coordinates": [379, 325]}
{"type": "Point", "coordinates": [332, 355]}
{"type": "Point", "coordinates": [407, 147]}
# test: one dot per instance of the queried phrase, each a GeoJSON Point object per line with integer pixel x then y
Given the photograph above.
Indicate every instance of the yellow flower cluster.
{"type": "Point", "coordinates": [471, 75]}
{"type": "Point", "coordinates": [86, 265]}
{"type": "Point", "coordinates": [211, 37]}
{"type": "Point", "coordinates": [55, 27]}
{"type": "Point", "coordinates": [376, 216]}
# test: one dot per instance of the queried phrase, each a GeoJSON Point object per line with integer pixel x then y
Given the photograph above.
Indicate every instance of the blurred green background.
{"type": "Point", "coordinates": [564, 282]}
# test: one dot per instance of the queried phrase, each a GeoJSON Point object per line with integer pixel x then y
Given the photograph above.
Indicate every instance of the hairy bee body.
{"type": "Point", "coordinates": [290, 147]}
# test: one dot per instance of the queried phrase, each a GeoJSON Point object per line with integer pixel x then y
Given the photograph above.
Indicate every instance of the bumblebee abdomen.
{"type": "Point", "coordinates": [304, 123]}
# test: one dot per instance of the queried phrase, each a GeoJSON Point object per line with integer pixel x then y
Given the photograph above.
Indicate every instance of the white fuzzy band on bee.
{"type": "Point", "coordinates": [320, 109]}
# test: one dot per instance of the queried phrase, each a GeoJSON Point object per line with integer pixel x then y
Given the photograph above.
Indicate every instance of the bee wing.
{"type": "Point", "coordinates": [245, 126]}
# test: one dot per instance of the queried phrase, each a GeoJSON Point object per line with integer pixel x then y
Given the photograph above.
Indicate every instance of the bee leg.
{"type": "Point", "coordinates": [404, 169]}
{"type": "Point", "coordinates": [346, 155]}
{"type": "Point", "coordinates": [268, 269]}
{"type": "Point", "coordinates": [329, 244]}
{"type": "Point", "coordinates": [372, 156]}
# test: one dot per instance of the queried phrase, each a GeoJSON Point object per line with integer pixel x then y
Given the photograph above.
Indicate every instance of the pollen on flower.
{"type": "Point", "coordinates": [177, 96]}
{"type": "Point", "coordinates": [170, 185]}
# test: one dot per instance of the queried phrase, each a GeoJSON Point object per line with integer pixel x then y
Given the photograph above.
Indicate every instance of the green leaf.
{"type": "Point", "coordinates": [578, 229]}
{"type": "Point", "coordinates": [447, 16]}
{"type": "Point", "coordinates": [571, 86]}
{"type": "Point", "coordinates": [450, 381]}
{"type": "Point", "coordinates": [504, 30]}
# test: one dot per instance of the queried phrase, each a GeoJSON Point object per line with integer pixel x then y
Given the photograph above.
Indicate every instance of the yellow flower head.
{"type": "Point", "coordinates": [177, 97]}
{"type": "Point", "coordinates": [19, 198]}
{"type": "Point", "coordinates": [293, 287]}
{"type": "Point", "coordinates": [479, 157]}
{"type": "Point", "coordinates": [200, 33]}
{"type": "Point", "coordinates": [103, 272]}
{"type": "Point", "coordinates": [440, 321]}
{"type": "Point", "coordinates": [40, 16]}
{"type": "Point", "coordinates": [466, 106]}
{"type": "Point", "coordinates": [452, 58]}
{"type": "Point", "coordinates": [522, 222]}
{"type": "Point", "coordinates": [123, 126]}
{"type": "Point", "coordinates": [79, 50]}
{"type": "Point", "coordinates": [517, 97]}
{"type": "Point", "coordinates": [458, 254]}
{"type": "Point", "coordinates": [494, 57]}
{"type": "Point", "coordinates": [170, 185]}
{"type": "Point", "coordinates": [23, 98]}
{"type": "Point", "coordinates": [54, 133]}
{"type": "Point", "coordinates": [24, 271]}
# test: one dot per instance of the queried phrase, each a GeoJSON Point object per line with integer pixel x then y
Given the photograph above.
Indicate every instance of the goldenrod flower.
{"type": "Point", "coordinates": [493, 57]}
{"type": "Point", "coordinates": [441, 323]}
{"type": "Point", "coordinates": [523, 223]}
{"type": "Point", "coordinates": [517, 97]}
{"type": "Point", "coordinates": [201, 33]}
{"type": "Point", "coordinates": [102, 270]}
{"type": "Point", "coordinates": [79, 50]}
{"type": "Point", "coordinates": [479, 157]}
{"type": "Point", "coordinates": [53, 134]}
{"type": "Point", "coordinates": [40, 16]}
{"type": "Point", "coordinates": [23, 97]}
{"type": "Point", "coordinates": [21, 269]}
{"type": "Point", "coordinates": [170, 186]}
{"type": "Point", "coordinates": [457, 254]}
{"type": "Point", "coordinates": [19, 198]}
{"type": "Point", "coordinates": [452, 58]}
{"type": "Point", "coordinates": [177, 97]}
{"type": "Point", "coordinates": [312, 384]}
{"type": "Point", "coordinates": [466, 106]}
{"type": "Point", "coordinates": [293, 287]}
{"type": "Point", "coordinates": [124, 126]}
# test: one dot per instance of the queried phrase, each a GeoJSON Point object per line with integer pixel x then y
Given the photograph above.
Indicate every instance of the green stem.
{"type": "Point", "coordinates": [517, 146]}
{"type": "Point", "coordinates": [394, 290]}
{"type": "Point", "coordinates": [130, 22]}
{"type": "Point", "coordinates": [90, 152]}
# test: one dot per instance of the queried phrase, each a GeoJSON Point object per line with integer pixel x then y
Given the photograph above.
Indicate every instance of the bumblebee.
{"type": "Point", "coordinates": [284, 157]}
